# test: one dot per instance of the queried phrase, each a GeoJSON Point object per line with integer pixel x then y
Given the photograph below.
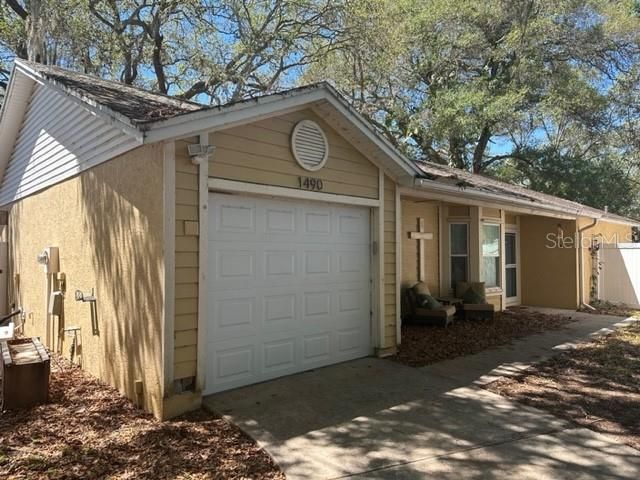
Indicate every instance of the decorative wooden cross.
{"type": "Point", "coordinates": [420, 236]}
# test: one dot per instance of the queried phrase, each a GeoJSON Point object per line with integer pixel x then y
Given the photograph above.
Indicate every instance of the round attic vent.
{"type": "Point", "coordinates": [309, 145]}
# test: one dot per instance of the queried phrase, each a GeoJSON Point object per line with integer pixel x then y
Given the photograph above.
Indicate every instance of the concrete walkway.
{"type": "Point", "coordinates": [374, 418]}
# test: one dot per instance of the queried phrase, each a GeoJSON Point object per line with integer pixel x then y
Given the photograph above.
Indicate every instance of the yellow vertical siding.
{"type": "Point", "coordinates": [261, 153]}
{"type": "Point", "coordinates": [186, 262]}
{"type": "Point", "coordinates": [390, 262]}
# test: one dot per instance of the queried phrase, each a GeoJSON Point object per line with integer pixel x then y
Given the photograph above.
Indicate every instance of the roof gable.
{"type": "Point", "coordinates": [136, 105]}
{"type": "Point", "coordinates": [55, 139]}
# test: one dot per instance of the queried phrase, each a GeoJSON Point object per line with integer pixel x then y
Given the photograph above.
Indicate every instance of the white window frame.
{"type": "Point", "coordinates": [451, 254]}
{"type": "Point", "coordinates": [499, 280]}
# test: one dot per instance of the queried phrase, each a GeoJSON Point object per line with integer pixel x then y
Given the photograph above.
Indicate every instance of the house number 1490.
{"type": "Point", "coordinates": [310, 183]}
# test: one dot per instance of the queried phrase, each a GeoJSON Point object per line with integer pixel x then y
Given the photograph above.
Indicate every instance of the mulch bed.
{"type": "Point", "coordinates": [88, 430]}
{"type": "Point", "coordinates": [596, 385]}
{"type": "Point", "coordinates": [424, 345]}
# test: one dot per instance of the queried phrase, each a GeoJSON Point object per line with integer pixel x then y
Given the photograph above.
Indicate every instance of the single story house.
{"type": "Point", "coordinates": [177, 250]}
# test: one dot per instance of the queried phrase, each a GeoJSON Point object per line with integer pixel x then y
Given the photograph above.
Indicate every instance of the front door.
{"type": "Point", "coordinates": [511, 267]}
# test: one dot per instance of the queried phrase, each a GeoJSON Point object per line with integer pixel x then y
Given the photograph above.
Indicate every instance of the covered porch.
{"type": "Point", "coordinates": [523, 258]}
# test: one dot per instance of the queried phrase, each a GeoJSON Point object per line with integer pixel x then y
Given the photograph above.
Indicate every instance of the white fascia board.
{"type": "Point", "coordinates": [429, 189]}
{"type": "Point", "coordinates": [363, 125]}
{"type": "Point", "coordinates": [11, 118]}
{"type": "Point", "coordinates": [9, 92]}
{"type": "Point", "coordinates": [224, 117]}
{"type": "Point", "coordinates": [109, 116]}
{"type": "Point", "coordinates": [264, 107]}
{"type": "Point", "coordinates": [618, 221]}
{"type": "Point", "coordinates": [464, 197]}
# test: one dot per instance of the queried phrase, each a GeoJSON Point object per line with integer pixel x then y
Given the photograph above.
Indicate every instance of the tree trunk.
{"type": "Point", "coordinates": [456, 153]}
{"type": "Point", "coordinates": [35, 32]}
{"type": "Point", "coordinates": [156, 57]}
{"type": "Point", "coordinates": [16, 7]}
{"type": "Point", "coordinates": [481, 147]}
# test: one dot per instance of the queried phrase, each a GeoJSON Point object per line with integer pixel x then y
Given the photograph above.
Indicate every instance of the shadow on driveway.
{"type": "Point", "coordinates": [378, 419]}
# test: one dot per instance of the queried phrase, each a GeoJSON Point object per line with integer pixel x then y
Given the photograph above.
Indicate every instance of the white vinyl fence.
{"type": "Point", "coordinates": [620, 275]}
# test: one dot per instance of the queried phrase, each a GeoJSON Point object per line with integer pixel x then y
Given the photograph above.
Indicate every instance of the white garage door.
{"type": "Point", "coordinates": [289, 287]}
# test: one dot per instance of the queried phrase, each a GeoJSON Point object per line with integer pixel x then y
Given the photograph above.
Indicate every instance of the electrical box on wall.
{"type": "Point", "coordinates": [55, 303]}
{"type": "Point", "coordinates": [50, 260]}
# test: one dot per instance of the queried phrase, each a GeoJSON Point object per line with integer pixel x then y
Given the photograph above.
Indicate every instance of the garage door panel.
{"type": "Point", "coordinates": [279, 355]}
{"type": "Point", "coordinates": [280, 310]}
{"type": "Point", "coordinates": [349, 340]}
{"type": "Point", "coordinates": [351, 262]}
{"type": "Point", "coordinates": [236, 317]}
{"type": "Point", "coordinates": [349, 227]}
{"type": "Point", "coordinates": [317, 262]}
{"type": "Point", "coordinates": [233, 264]}
{"type": "Point", "coordinates": [289, 288]}
{"type": "Point", "coordinates": [317, 304]}
{"type": "Point", "coordinates": [317, 348]}
{"type": "Point", "coordinates": [317, 223]}
{"type": "Point", "coordinates": [232, 363]}
{"type": "Point", "coordinates": [350, 302]}
{"type": "Point", "coordinates": [233, 216]}
{"type": "Point", "coordinates": [279, 263]}
{"type": "Point", "coordinates": [280, 220]}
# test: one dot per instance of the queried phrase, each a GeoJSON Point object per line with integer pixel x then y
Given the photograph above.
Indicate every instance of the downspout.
{"type": "Point", "coordinates": [581, 302]}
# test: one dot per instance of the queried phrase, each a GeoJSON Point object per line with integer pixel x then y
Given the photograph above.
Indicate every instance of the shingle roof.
{"type": "Point", "coordinates": [465, 180]}
{"type": "Point", "coordinates": [136, 104]}
{"type": "Point", "coordinates": [140, 107]}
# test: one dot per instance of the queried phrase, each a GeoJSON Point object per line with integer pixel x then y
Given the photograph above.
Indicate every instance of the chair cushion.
{"type": "Point", "coordinates": [427, 301]}
{"type": "Point", "coordinates": [480, 289]}
{"type": "Point", "coordinates": [471, 296]}
{"type": "Point", "coordinates": [421, 288]}
{"type": "Point", "coordinates": [461, 289]}
{"type": "Point", "coordinates": [475, 292]}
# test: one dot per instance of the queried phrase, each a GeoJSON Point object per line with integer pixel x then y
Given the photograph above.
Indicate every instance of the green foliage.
{"type": "Point", "coordinates": [605, 182]}
{"type": "Point", "coordinates": [476, 84]}
{"type": "Point", "coordinates": [220, 50]}
{"type": "Point", "coordinates": [520, 88]}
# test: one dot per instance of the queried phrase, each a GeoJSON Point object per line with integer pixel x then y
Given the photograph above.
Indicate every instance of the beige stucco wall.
{"type": "Point", "coordinates": [108, 225]}
{"type": "Point", "coordinates": [549, 275]}
{"type": "Point", "coordinates": [603, 232]}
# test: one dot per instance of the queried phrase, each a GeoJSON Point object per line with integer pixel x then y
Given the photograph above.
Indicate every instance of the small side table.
{"type": "Point", "coordinates": [450, 300]}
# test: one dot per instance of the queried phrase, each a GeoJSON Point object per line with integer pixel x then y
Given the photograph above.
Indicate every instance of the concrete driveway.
{"type": "Point", "coordinates": [374, 418]}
